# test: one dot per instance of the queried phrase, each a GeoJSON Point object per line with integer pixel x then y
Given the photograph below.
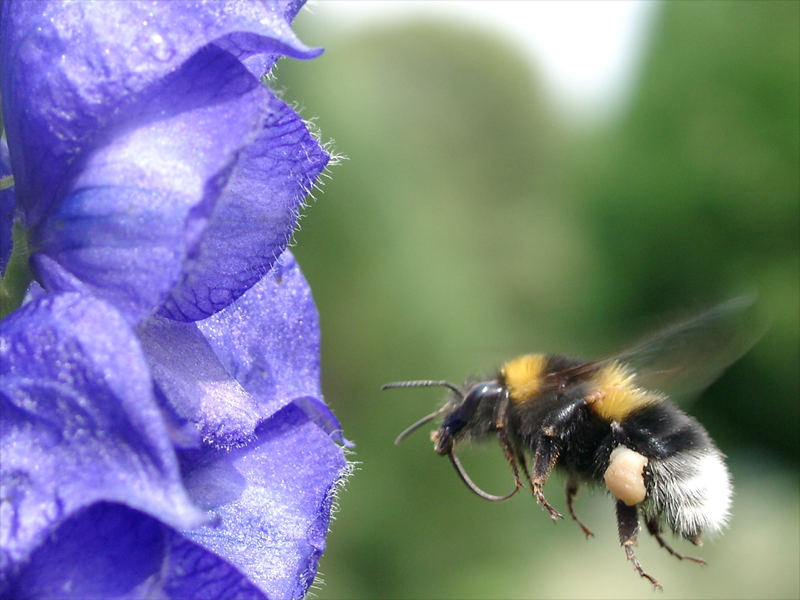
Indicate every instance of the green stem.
{"type": "Point", "coordinates": [18, 276]}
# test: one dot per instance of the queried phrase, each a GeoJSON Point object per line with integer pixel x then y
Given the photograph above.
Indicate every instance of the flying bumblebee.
{"type": "Point", "coordinates": [608, 422]}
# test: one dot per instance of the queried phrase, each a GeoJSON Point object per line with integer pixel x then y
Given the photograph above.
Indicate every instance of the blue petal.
{"type": "Point", "coordinates": [196, 573]}
{"type": "Point", "coordinates": [259, 57]}
{"type": "Point", "coordinates": [229, 372]}
{"type": "Point", "coordinates": [78, 423]}
{"type": "Point", "coordinates": [254, 217]}
{"type": "Point", "coordinates": [195, 384]}
{"type": "Point", "coordinates": [81, 560]}
{"type": "Point", "coordinates": [140, 203]}
{"type": "Point", "coordinates": [268, 340]}
{"type": "Point", "coordinates": [273, 499]}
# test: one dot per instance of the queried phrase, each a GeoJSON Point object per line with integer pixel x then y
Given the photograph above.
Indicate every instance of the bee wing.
{"type": "Point", "coordinates": [684, 358]}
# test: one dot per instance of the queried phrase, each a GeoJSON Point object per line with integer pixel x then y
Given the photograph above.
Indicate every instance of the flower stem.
{"type": "Point", "coordinates": [18, 275]}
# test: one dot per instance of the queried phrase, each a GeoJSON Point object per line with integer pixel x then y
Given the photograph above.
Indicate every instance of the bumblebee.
{"type": "Point", "coordinates": [608, 422]}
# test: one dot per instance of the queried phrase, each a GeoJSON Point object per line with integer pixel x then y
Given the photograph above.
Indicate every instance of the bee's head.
{"type": "Point", "coordinates": [469, 415]}
{"type": "Point", "coordinates": [472, 415]}
{"type": "Point", "coordinates": [465, 415]}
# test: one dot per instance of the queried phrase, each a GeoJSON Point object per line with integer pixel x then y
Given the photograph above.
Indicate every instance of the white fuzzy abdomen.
{"type": "Point", "coordinates": [690, 492]}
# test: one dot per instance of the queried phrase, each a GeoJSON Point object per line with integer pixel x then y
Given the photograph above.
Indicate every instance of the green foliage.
{"type": "Point", "coordinates": [17, 276]}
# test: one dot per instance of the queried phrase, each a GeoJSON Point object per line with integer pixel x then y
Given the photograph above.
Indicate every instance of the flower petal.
{"type": "Point", "coordinates": [254, 218]}
{"type": "Point", "coordinates": [273, 499]}
{"type": "Point", "coordinates": [81, 560]}
{"type": "Point", "coordinates": [268, 340]}
{"type": "Point", "coordinates": [78, 423]}
{"type": "Point", "coordinates": [195, 384]}
{"type": "Point", "coordinates": [140, 203]}
{"type": "Point", "coordinates": [229, 372]}
{"type": "Point", "coordinates": [196, 573]}
{"type": "Point", "coordinates": [69, 71]}
{"type": "Point", "coordinates": [259, 52]}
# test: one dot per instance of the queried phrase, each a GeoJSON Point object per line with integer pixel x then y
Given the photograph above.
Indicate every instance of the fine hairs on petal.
{"type": "Point", "coordinates": [335, 159]}
{"type": "Point", "coordinates": [351, 466]}
{"type": "Point", "coordinates": [349, 470]}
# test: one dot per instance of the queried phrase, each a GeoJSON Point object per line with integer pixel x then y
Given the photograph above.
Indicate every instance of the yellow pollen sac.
{"type": "Point", "coordinates": [624, 476]}
{"type": "Point", "coordinates": [523, 376]}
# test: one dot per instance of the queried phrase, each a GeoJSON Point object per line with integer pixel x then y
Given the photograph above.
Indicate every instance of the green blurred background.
{"type": "Point", "coordinates": [474, 220]}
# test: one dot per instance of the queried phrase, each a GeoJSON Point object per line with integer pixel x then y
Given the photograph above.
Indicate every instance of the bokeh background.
{"type": "Point", "coordinates": [477, 217]}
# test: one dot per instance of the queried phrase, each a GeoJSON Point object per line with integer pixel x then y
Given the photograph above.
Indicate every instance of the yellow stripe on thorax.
{"type": "Point", "coordinates": [523, 376]}
{"type": "Point", "coordinates": [616, 393]}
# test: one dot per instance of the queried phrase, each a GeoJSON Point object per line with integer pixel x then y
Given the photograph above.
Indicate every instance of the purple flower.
{"type": "Point", "coordinates": [161, 420]}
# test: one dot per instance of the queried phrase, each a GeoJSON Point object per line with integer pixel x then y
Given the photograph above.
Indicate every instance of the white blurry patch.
{"type": "Point", "coordinates": [587, 50]}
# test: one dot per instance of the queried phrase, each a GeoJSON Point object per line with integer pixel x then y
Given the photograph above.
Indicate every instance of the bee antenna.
{"type": "Point", "coordinates": [423, 383]}
{"type": "Point", "coordinates": [471, 485]}
{"type": "Point", "coordinates": [411, 429]}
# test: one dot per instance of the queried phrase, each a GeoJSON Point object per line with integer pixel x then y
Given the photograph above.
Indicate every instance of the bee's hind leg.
{"type": "Point", "coordinates": [628, 523]}
{"type": "Point", "coordinates": [572, 491]}
{"type": "Point", "coordinates": [655, 531]}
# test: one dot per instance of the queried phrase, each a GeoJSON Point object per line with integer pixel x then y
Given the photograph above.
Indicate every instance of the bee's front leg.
{"type": "Point", "coordinates": [508, 447]}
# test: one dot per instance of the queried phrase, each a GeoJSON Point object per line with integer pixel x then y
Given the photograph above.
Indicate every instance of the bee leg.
{"type": "Point", "coordinates": [501, 411]}
{"type": "Point", "coordinates": [536, 488]}
{"type": "Point", "coordinates": [655, 531]}
{"type": "Point", "coordinates": [548, 446]}
{"type": "Point", "coordinates": [544, 459]}
{"type": "Point", "coordinates": [511, 456]}
{"type": "Point", "coordinates": [628, 523]}
{"type": "Point", "coordinates": [572, 491]}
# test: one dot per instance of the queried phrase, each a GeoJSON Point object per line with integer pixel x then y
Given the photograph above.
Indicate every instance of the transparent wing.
{"type": "Point", "coordinates": [687, 356]}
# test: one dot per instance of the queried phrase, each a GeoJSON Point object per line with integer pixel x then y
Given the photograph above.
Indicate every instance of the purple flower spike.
{"type": "Point", "coordinates": [162, 424]}
{"type": "Point", "coordinates": [74, 385]}
{"type": "Point", "coordinates": [150, 145]}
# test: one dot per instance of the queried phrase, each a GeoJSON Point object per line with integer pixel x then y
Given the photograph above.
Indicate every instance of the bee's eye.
{"type": "Point", "coordinates": [454, 423]}
{"type": "Point", "coordinates": [489, 391]}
